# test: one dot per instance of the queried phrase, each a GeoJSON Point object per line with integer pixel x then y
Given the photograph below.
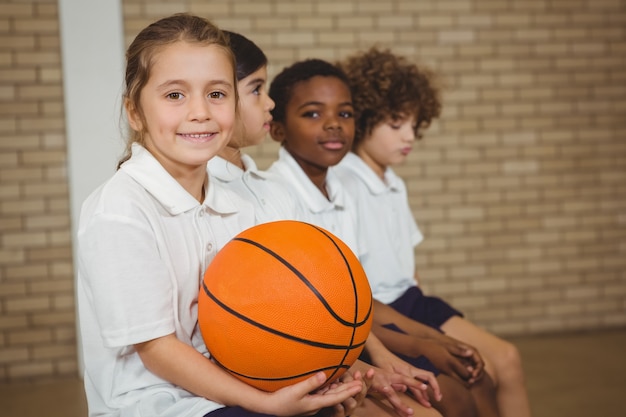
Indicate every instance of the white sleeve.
{"type": "Point", "coordinates": [128, 283]}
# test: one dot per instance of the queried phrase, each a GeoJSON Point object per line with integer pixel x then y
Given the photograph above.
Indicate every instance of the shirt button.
{"type": "Point", "coordinates": [209, 247]}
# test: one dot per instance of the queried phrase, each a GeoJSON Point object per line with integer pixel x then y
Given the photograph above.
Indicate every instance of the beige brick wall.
{"type": "Point", "coordinates": [520, 188]}
{"type": "Point", "coordinates": [37, 328]}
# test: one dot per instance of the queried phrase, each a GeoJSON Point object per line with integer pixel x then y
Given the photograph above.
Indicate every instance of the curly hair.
{"type": "Point", "coordinates": [387, 86]}
{"type": "Point", "coordinates": [282, 85]}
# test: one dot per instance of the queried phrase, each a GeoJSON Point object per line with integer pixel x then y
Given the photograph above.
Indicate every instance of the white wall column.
{"type": "Point", "coordinates": [92, 46]}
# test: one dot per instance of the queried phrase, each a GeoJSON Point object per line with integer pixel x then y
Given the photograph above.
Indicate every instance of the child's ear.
{"type": "Point", "coordinates": [277, 131]}
{"type": "Point", "coordinates": [134, 117]}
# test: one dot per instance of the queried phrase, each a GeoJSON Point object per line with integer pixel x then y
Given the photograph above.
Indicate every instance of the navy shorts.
{"type": "Point", "coordinates": [238, 412]}
{"type": "Point", "coordinates": [234, 412]}
{"type": "Point", "coordinates": [431, 311]}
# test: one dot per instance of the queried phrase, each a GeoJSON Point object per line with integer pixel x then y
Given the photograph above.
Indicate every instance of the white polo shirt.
{"type": "Point", "coordinates": [270, 198]}
{"type": "Point", "coordinates": [143, 245]}
{"type": "Point", "coordinates": [388, 225]}
{"type": "Point", "coordinates": [334, 214]}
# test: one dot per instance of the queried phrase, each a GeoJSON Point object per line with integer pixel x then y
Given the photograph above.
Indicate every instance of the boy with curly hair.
{"type": "Point", "coordinates": [394, 102]}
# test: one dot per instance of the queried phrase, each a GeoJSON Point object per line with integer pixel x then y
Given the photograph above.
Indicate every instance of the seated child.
{"type": "Point", "coordinates": [313, 120]}
{"type": "Point", "coordinates": [148, 233]}
{"type": "Point", "coordinates": [394, 102]}
{"type": "Point", "coordinates": [272, 201]}
{"type": "Point", "coordinates": [231, 166]}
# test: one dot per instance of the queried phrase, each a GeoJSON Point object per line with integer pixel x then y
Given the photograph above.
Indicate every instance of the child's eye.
{"type": "Point", "coordinates": [174, 96]}
{"type": "Point", "coordinates": [346, 114]}
{"type": "Point", "coordinates": [311, 114]}
{"type": "Point", "coordinates": [216, 95]}
{"type": "Point", "coordinates": [258, 90]}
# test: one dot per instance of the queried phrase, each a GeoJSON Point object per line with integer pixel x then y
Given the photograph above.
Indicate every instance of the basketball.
{"type": "Point", "coordinates": [282, 301]}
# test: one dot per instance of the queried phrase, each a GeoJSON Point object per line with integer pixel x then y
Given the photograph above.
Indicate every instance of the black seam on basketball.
{"type": "Point", "coordinates": [356, 298]}
{"type": "Point", "coordinates": [325, 233]}
{"type": "Point", "coordinates": [284, 378]}
{"type": "Point", "coordinates": [274, 331]}
{"type": "Point", "coordinates": [306, 281]}
{"type": "Point", "coordinates": [318, 295]}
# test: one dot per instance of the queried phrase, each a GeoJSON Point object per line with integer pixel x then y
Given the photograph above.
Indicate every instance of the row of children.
{"type": "Point", "coordinates": [194, 97]}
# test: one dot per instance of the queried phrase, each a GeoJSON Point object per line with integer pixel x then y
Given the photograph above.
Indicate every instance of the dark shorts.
{"type": "Point", "coordinates": [238, 412]}
{"type": "Point", "coordinates": [431, 311]}
{"type": "Point", "coordinates": [234, 412]}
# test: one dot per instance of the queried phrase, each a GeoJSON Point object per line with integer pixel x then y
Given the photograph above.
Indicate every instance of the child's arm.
{"type": "Point", "coordinates": [181, 364]}
{"type": "Point", "coordinates": [414, 347]}
{"type": "Point", "coordinates": [385, 314]}
{"type": "Point", "coordinates": [392, 373]}
{"type": "Point", "coordinates": [451, 356]}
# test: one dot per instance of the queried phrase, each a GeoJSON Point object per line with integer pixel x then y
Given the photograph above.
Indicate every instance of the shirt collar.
{"type": "Point", "coordinates": [226, 171]}
{"type": "Point", "coordinates": [150, 174]}
{"type": "Point", "coordinates": [223, 170]}
{"type": "Point", "coordinates": [308, 192]}
{"type": "Point", "coordinates": [373, 182]}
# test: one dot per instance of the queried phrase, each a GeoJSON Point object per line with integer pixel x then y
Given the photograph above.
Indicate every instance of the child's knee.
{"type": "Point", "coordinates": [456, 405]}
{"type": "Point", "coordinates": [511, 355]}
{"type": "Point", "coordinates": [508, 361]}
{"type": "Point", "coordinates": [457, 400]}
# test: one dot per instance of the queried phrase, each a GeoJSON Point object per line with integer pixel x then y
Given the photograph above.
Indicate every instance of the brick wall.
{"type": "Point", "coordinates": [519, 188]}
{"type": "Point", "coordinates": [37, 326]}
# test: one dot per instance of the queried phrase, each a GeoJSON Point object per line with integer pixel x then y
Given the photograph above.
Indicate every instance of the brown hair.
{"type": "Point", "coordinates": [141, 52]}
{"type": "Point", "coordinates": [387, 86]}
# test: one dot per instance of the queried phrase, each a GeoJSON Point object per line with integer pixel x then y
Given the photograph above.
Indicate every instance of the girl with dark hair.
{"type": "Point", "coordinates": [273, 201]}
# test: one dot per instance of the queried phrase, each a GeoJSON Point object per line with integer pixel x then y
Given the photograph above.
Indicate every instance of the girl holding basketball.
{"type": "Point", "coordinates": [147, 234]}
{"type": "Point", "coordinates": [238, 172]}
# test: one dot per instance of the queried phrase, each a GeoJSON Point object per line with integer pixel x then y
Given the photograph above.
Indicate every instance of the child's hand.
{"type": "Point", "coordinates": [396, 376]}
{"type": "Point", "coordinates": [349, 406]}
{"type": "Point", "coordinates": [305, 397]}
{"type": "Point", "coordinates": [405, 376]}
{"type": "Point", "coordinates": [453, 358]}
{"type": "Point", "coordinates": [468, 355]}
{"type": "Point", "coordinates": [353, 403]}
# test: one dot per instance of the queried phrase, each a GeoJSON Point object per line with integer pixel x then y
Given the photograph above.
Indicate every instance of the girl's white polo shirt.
{"type": "Point", "coordinates": [270, 198]}
{"type": "Point", "coordinates": [143, 246]}
{"type": "Point", "coordinates": [388, 225]}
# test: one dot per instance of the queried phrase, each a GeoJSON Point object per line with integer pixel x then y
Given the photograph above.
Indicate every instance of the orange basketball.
{"type": "Point", "coordinates": [282, 301]}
